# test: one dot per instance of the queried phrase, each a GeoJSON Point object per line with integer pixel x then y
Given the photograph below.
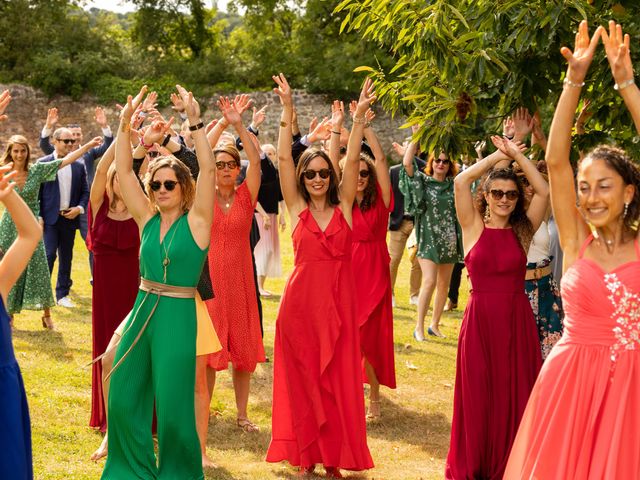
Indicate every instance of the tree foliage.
{"type": "Point", "coordinates": [460, 66]}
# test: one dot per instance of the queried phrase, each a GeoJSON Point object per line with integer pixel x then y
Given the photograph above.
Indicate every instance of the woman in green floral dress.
{"type": "Point", "coordinates": [32, 291]}
{"type": "Point", "coordinates": [428, 196]}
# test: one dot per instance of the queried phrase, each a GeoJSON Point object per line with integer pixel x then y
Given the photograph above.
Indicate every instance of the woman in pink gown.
{"type": "Point", "coordinates": [498, 350]}
{"type": "Point", "coordinates": [583, 418]}
{"type": "Point", "coordinates": [318, 401]}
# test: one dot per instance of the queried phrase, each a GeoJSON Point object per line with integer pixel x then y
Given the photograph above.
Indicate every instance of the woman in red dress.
{"type": "Point", "coordinates": [234, 309]}
{"type": "Point", "coordinates": [370, 259]}
{"type": "Point", "coordinates": [115, 243]}
{"type": "Point", "coordinates": [498, 350]}
{"type": "Point", "coordinates": [318, 401]}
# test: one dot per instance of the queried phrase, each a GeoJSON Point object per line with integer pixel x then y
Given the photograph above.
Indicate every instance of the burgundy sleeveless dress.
{"type": "Point", "coordinates": [116, 274]}
{"type": "Point", "coordinates": [498, 359]}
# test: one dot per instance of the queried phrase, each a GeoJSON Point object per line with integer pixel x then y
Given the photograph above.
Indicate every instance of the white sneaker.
{"type": "Point", "coordinates": [66, 302]}
{"type": "Point", "coordinates": [413, 300]}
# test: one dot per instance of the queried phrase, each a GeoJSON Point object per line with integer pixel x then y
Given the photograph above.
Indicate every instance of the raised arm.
{"type": "Point", "coordinates": [337, 120]}
{"type": "Point", "coordinates": [76, 154]}
{"type": "Point", "coordinates": [232, 113]}
{"type": "Point", "coordinates": [349, 183]}
{"type": "Point", "coordinates": [201, 214]}
{"type": "Point", "coordinates": [132, 194]}
{"type": "Point", "coordinates": [288, 182]}
{"type": "Point", "coordinates": [571, 227]}
{"type": "Point", "coordinates": [540, 201]}
{"type": "Point", "coordinates": [382, 166]}
{"type": "Point", "coordinates": [99, 184]}
{"type": "Point", "coordinates": [17, 257]}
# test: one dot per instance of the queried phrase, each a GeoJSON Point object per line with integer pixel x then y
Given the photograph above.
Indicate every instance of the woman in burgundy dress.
{"type": "Point", "coordinates": [370, 259]}
{"type": "Point", "coordinates": [115, 243]}
{"type": "Point", "coordinates": [318, 401]}
{"type": "Point", "coordinates": [498, 350]}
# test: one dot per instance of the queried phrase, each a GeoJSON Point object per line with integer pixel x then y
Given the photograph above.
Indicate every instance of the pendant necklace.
{"type": "Point", "coordinates": [226, 200]}
{"type": "Point", "coordinates": [166, 261]}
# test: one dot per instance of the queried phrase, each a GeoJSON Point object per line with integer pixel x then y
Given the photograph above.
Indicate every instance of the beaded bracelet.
{"type": "Point", "coordinates": [569, 83]}
{"type": "Point", "coordinates": [623, 85]}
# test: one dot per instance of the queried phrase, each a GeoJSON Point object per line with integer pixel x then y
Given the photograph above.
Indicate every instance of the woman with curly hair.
{"type": "Point", "coordinates": [582, 417]}
{"type": "Point", "coordinates": [498, 350]}
{"type": "Point", "coordinates": [428, 196]}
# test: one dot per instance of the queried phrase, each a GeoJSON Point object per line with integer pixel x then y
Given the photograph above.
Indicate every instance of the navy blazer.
{"type": "Point", "coordinates": [89, 158]}
{"type": "Point", "coordinates": [50, 193]}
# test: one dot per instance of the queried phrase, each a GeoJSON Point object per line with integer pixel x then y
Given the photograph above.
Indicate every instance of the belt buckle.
{"type": "Point", "coordinates": [537, 274]}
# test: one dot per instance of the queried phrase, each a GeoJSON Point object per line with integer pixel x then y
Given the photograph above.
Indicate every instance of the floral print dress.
{"type": "Point", "coordinates": [431, 202]}
{"type": "Point", "coordinates": [32, 291]}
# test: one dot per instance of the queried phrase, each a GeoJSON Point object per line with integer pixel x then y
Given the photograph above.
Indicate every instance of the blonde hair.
{"type": "Point", "coordinates": [16, 140]}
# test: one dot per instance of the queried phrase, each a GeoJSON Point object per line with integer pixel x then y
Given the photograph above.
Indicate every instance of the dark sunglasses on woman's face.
{"type": "Point", "coordinates": [311, 174]}
{"type": "Point", "coordinates": [153, 154]}
{"type": "Point", "coordinates": [169, 185]}
{"type": "Point", "coordinates": [67, 141]}
{"type": "Point", "coordinates": [445, 161]}
{"type": "Point", "coordinates": [231, 165]}
{"type": "Point", "coordinates": [364, 173]}
{"type": "Point", "coordinates": [510, 194]}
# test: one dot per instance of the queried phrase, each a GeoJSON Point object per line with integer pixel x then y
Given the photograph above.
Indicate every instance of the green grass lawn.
{"type": "Point", "coordinates": [410, 441]}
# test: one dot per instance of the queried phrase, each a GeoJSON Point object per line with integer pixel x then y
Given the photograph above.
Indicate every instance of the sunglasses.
{"type": "Point", "coordinates": [67, 141]}
{"type": "Point", "coordinates": [231, 165]}
{"type": "Point", "coordinates": [311, 174]}
{"type": "Point", "coordinates": [153, 154]}
{"type": "Point", "coordinates": [169, 185]}
{"type": "Point", "coordinates": [446, 161]}
{"type": "Point", "coordinates": [510, 194]}
{"type": "Point", "coordinates": [364, 173]}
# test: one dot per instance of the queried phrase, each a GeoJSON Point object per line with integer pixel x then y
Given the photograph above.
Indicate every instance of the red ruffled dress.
{"type": "Point", "coordinates": [374, 311]}
{"type": "Point", "coordinates": [116, 275]}
{"type": "Point", "coordinates": [318, 400]}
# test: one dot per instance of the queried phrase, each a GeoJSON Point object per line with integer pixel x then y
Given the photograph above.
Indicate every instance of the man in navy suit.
{"type": "Point", "coordinates": [61, 202]}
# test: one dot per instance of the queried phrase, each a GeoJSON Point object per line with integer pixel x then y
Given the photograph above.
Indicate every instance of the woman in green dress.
{"type": "Point", "coordinates": [428, 196]}
{"type": "Point", "coordinates": [32, 291]}
{"type": "Point", "coordinates": [155, 361]}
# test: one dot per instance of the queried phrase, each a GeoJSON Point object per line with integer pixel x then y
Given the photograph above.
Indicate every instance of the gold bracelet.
{"type": "Point", "coordinates": [283, 124]}
{"type": "Point", "coordinates": [358, 120]}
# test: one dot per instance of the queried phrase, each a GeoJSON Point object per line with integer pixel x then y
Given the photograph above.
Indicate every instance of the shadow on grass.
{"type": "Point", "coordinates": [50, 343]}
{"type": "Point", "coordinates": [429, 431]}
{"type": "Point", "coordinates": [218, 473]}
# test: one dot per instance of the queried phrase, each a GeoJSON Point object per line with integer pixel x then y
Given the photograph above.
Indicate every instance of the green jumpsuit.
{"type": "Point", "coordinates": [161, 366]}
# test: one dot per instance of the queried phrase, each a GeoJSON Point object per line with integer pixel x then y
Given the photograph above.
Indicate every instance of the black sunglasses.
{"type": "Point", "coordinates": [67, 141]}
{"type": "Point", "coordinates": [153, 154]}
{"type": "Point", "coordinates": [231, 165]}
{"type": "Point", "coordinates": [311, 174]}
{"type": "Point", "coordinates": [510, 194]}
{"type": "Point", "coordinates": [446, 161]}
{"type": "Point", "coordinates": [364, 173]}
{"type": "Point", "coordinates": [169, 185]}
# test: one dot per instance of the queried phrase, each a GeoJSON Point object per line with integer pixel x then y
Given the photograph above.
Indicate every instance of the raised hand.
{"type": "Point", "coordinates": [242, 103]}
{"type": "Point", "coordinates": [367, 97]}
{"type": "Point", "coordinates": [229, 112]}
{"type": "Point", "coordinates": [94, 142]}
{"type": "Point", "coordinates": [6, 174]}
{"type": "Point", "coordinates": [616, 46]}
{"type": "Point", "coordinates": [508, 127]}
{"type": "Point", "coordinates": [522, 123]}
{"type": "Point", "coordinates": [313, 124]}
{"type": "Point", "coordinates": [191, 106]}
{"type": "Point", "coordinates": [52, 117]}
{"type": "Point", "coordinates": [580, 59]}
{"type": "Point", "coordinates": [369, 116]}
{"type": "Point", "coordinates": [150, 102]}
{"type": "Point", "coordinates": [258, 116]}
{"type": "Point", "coordinates": [508, 147]}
{"type": "Point", "coordinates": [101, 118]}
{"type": "Point", "coordinates": [322, 131]}
{"type": "Point", "coordinates": [399, 149]}
{"type": "Point", "coordinates": [132, 105]}
{"type": "Point", "coordinates": [284, 90]}
{"type": "Point", "coordinates": [156, 132]}
{"type": "Point", "coordinates": [537, 126]}
{"type": "Point", "coordinates": [178, 105]}
{"type": "Point", "coordinates": [337, 115]}
{"type": "Point", "coordinates": [353, 104]}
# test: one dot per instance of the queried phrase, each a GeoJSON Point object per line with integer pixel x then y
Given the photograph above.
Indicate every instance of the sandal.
{"type": "Point", "coordinates": [333, 472]}
{"type": "Point", "coordinates": [47, 322]}
{"type": "Point", "coordinates": [247, 425]}
{"type": "Point", "coordinates": [303, 471]}
{"type": "Point", "coordinates": [373, 412]}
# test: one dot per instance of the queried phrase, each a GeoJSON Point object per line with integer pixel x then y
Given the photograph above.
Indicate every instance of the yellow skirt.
{"type": "Point", "coordinates": [206, 340]}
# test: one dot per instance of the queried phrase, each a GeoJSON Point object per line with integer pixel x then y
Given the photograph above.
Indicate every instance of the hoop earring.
{"type": "Point", "coordinates": [626, 210]}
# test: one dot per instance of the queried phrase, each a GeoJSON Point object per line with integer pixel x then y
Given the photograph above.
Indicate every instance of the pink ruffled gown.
{"type": "Point", "coordinates": [583, 417]}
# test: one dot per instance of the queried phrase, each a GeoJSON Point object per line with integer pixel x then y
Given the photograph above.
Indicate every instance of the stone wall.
{"type": "Point", "coordinates": [28, 111]}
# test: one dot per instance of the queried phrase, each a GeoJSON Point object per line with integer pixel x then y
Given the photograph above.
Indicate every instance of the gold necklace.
{"type": "Point", "coordinates": [226, 200]}
{"type": "Point", "coordinates": [166, 261]}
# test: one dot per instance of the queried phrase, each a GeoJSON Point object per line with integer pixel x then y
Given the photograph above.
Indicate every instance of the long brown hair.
{"type": "Point", "coordinates": [16, 140]}
{"type": "Point", "coordinates": [518, 219]}
{"type": "Point", "coordinates": [370, 193]}
{"type": "Point", "coordinates": [303, 163]}
{"type": "Point", "coordinates": [183, 175]}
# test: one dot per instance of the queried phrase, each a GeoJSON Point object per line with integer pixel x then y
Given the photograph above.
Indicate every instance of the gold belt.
{"type": "Point", "coordinates": [150, 288]}
{"type": "Point", "coordinates": [537, 273]}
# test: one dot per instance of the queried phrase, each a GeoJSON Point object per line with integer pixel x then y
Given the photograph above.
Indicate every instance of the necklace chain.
{"type": "Point", "coordinates": [166, 261]}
